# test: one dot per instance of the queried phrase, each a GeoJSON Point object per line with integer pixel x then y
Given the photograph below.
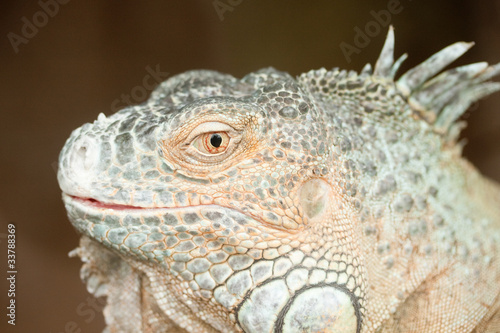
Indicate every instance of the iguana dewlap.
{"type": "Point", "coordinates": [332, 202]}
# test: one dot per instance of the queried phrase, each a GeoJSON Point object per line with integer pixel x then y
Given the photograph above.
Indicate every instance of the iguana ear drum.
{"type": "Point", "coordinates": [321, 308]}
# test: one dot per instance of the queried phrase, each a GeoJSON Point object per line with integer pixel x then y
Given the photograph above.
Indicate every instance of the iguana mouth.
{"type": "Point", "coordinates": [103, 205]}
{"type": "Point", "coordinates": [92, 205]}
{"type": "Point", "coordinates": [153, 229]}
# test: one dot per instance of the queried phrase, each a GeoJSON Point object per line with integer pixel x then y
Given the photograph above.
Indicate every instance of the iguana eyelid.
{"type": "Point", "coordinates": [211, 127]}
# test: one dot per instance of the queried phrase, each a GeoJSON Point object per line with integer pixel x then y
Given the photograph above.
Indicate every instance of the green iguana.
{"type": "Point", "coordinates": [332, 202]}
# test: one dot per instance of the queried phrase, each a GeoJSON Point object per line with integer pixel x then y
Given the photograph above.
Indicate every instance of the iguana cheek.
{"type": "Point", "coordinates": [271, 308]}
{"type": "Point", "coordinates": [321, 309]}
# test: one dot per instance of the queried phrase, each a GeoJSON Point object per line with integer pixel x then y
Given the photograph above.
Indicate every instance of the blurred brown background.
{"type": "Point", "coordinates": [83, 59]}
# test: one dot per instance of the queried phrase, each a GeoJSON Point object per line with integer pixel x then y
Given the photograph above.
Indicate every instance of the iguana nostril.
{"type": "Point", "coordinates": [84, 157]}
{"type": "Point", "coordinates": [82, 152]}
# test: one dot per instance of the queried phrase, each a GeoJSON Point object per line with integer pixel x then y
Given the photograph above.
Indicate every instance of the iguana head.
{"type": "Point", "coordinates": [263, 200]}
{"type": "Point", "coordinates": [224, 183]}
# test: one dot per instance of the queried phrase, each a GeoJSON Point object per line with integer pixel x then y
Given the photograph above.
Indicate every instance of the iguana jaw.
{"type": "Point", "coordinates": [104, 222]}
{"type": "Point", "coordinates": [107, 222]}
{"type": "Point", "coordinates": [92, 205]}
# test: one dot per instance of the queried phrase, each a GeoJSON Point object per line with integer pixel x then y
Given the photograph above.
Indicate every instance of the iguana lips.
{"type": "Point", "coordinates": [99, 204]}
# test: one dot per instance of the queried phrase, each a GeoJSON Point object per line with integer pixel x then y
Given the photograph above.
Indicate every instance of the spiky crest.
{"type": "Point", "coordinates": [440, 99]}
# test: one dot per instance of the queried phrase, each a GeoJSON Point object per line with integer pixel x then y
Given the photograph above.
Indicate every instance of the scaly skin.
{"type": "Point", "coordinates": [334, 202]}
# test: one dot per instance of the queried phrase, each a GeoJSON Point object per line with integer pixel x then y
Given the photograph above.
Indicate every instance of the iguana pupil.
{"type": "Point", "coordinates": [216, 140]}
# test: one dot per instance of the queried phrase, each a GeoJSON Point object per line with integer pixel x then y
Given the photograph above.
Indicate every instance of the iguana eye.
{"type": "Point", "coordinates": [211, 140]}
{"type": "Point", "coordinates": [212, 143]}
